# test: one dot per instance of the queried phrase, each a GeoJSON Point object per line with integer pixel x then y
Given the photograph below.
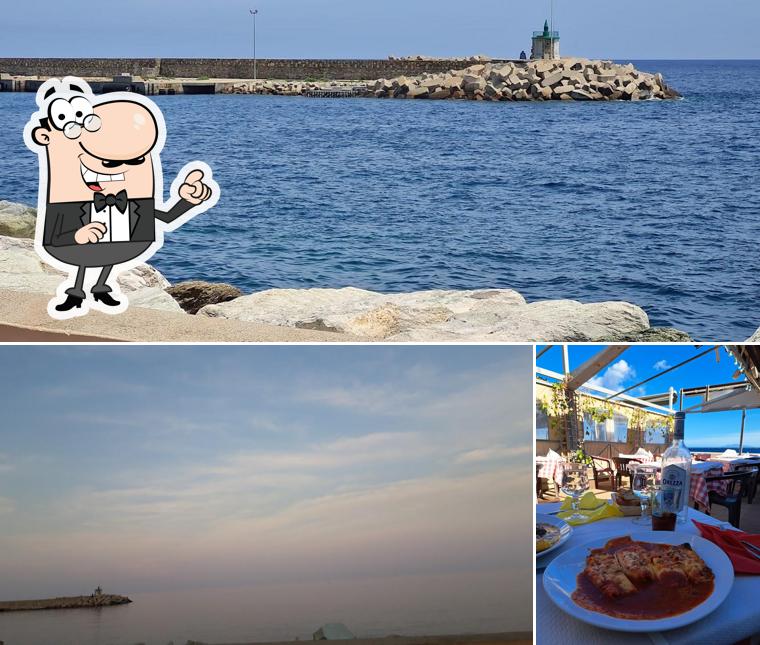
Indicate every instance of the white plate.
{"type": "Point", "coordinates": [564, 531]}
{"type": "Point", "coordinates": [560, 582]}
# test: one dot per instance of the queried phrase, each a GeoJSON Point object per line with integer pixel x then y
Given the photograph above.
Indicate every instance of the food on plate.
{"type": "Point", "coordinates": [636, 562]}
{"type": "Point", "coordinates": [547, 535]}
{"type": "Point", "coordinates": [643, 580]}
{"type": "Point", "coordinates": [679, 566]}
{"type": "Point", "coordinates": [606, 575]}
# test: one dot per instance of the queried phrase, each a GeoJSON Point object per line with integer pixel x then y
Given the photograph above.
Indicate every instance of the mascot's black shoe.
{"type": "Point", "coordinates": [106, 299]}
{"type": "Point", "coordinates": [70, 303]}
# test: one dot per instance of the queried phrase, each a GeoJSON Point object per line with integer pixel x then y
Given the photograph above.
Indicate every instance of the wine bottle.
{"type": "Point", "coordinates": [676, 474]}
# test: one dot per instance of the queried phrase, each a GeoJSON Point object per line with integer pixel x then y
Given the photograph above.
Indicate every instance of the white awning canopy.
{"type": "Point", "coordinates": [747, 399]}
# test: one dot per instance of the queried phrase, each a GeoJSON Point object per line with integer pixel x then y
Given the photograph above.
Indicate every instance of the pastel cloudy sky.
{"type": "Point", "coordinates": [620, 29]}
{"type": "Point", "coordinates": [166, 467]}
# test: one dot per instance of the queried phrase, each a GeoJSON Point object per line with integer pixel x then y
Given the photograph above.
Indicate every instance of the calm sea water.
{"type": "Point", "coordinates": [414, 605]}
{"type": "Point", "coordinates": [655, 203]}
{"type": "Point", "coordinates": [735, 446]}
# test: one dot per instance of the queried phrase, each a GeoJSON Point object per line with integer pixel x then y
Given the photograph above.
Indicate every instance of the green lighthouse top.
{"type": "Point", "coordinates": [546, 34]}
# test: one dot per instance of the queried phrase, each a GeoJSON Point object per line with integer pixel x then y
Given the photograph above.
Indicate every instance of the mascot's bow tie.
{"type": "Point", "coordinates": [119, 200]}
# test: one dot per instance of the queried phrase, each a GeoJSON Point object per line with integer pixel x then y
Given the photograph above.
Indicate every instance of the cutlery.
{"type": "Point", "coordinates": [751, 549]}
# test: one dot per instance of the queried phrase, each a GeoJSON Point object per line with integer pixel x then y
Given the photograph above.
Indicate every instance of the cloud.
{"type": "Point", "coordinates": [377, 399]}
{"type": "Point", "coordinates": [615, 376]}
{"type": "Point", "coordinates": [5, 465]}
{"type": "Point", "coordinates": [661, 365]}
{"type": "Point", "coordinates": [493, 453]}
{"type": "Point", "coordinates": [6, 506]}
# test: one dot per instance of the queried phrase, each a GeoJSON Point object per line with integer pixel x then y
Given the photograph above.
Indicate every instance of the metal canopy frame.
{"type": "Point", "coordinates": [747, 356]}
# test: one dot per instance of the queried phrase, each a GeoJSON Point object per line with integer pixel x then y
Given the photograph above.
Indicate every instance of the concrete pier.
{"type": "Point", "coordinates": [65, 602]}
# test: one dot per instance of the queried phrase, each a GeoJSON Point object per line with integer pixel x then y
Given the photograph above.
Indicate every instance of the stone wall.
{"type": "Point", "coordinates": [295, 69]}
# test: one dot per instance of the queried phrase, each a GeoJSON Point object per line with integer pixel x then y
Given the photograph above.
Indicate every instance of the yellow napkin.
{"type": "Point", "coordinates": [591, 507]}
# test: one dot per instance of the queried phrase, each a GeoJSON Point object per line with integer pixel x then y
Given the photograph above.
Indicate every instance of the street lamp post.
{"type": "Point", "coordinates": [253, 13]}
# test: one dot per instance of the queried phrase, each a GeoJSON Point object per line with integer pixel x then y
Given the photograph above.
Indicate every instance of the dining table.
{"type": "Point", "coordinates": [737, 618]}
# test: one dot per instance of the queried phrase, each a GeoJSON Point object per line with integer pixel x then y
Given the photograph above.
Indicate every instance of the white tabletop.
{"type": "Point", "coordinates": [737, 618]}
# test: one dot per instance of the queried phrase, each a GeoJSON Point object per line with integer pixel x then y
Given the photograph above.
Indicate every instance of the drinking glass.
{"type": "Point", "coordinates": [665, 504]}
{"type": "Point", "coordinates": [574, 484]}
{"type": "Point", "coordinates": [643, 481]}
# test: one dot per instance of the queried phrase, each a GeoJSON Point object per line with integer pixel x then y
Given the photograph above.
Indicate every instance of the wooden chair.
{"type": "Point", "coordinates": [623, 470]}
{"type": "Point", "coordinates": [604, 470]}
{"type": "Point", "coordinates": [737, 484]}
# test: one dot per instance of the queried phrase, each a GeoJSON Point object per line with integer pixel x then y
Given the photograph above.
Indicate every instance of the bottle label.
{"type": "Point", "coordinates": [676, 478]}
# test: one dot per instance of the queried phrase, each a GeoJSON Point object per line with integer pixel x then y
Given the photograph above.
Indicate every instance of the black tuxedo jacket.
{"type": "Point", "coordinates": [65, 219]}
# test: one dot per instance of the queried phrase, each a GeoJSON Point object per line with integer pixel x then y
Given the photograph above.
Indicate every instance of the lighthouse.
{"type": "Point", "coordinates": [545, 43]}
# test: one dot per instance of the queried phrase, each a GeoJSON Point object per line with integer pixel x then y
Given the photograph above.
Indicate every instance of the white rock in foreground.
{"type": "Point", "coordinates": [483, 315]}
{"type": "Point", "coordinates": [755, 338]}
{"type": "Point", "coordinates": [22, 270]}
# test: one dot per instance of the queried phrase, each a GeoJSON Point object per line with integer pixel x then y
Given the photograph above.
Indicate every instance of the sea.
{"type": "Point", "coordinates": [460, 603]}
{"type": "Point", "coordinates": [745, 449]}
{"type": "Point", "coordinates": [654, 203]}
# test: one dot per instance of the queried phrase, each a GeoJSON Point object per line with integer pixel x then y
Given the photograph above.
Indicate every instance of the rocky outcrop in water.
{"type": "Point", "coordinates": [196, 294]}
{"type": "Point", "coordinates": [482, 315]}
{"type": "Point", "coordinates": [67, 602]}
{"type": "Point", "coordinates": [564, 79]}
{"type": "Point", "coordinates": [652, 335]}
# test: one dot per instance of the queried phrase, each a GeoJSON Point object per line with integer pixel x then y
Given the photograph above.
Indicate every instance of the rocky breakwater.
{"type": "Point", "coordinates": [298, 88]}
{"type": "Point", "coordinates": [65, 602]}
{"type": "Point", "coordinates": [564, 79]}
{"type": "Point", "coordinates": [479, 315]}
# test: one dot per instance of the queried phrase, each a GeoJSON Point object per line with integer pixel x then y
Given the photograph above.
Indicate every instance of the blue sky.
{"type": "Point", "coordinates": [641, 362]}
{"type": "Point", "coordinates": [151, 468]}
{"type": "Point", "coordinates": [368, 29]}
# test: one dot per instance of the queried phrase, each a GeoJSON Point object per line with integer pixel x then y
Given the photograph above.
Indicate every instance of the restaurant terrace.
{"type": "Point", "coordinates": [601, 480]}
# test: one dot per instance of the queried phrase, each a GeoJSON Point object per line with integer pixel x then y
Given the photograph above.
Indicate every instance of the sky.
{"type": "Point", "coordinates": [160, 468]}
{"type": "Point", "coordinates": [716, 429]}
{"type": "Point", "coordinates": [619, 29]}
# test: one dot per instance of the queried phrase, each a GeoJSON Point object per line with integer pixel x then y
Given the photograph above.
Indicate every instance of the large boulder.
{"type": "Point", "coordinates": [483, 315]}
{"type": "Point", "coordinates": [22, 270]}
{"type": "Point", "coordinates": [17, 220]}
{"type": "Point", "coordinates": [651, 335]}
{"type": "Point", "coordinates": [196, 294]}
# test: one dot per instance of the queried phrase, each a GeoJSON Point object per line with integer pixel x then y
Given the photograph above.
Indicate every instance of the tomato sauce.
{"type": "Point", "coordinates": [652, 601]}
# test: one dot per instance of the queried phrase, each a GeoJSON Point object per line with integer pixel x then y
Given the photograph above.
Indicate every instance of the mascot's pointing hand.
{"type": "Point", "coordinates": [193, 189]}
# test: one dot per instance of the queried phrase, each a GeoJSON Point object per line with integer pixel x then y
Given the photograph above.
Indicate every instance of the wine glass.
{"type": "Point", "coordinates": [574, 484]}
{"type": "Point", "coordinates": [643, 481]}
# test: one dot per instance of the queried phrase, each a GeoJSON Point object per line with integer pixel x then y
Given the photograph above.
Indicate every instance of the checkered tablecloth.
{"type": "Point", "coordinates": [550, 468]}
{"type": "Point", "coordinates": [700, 487]}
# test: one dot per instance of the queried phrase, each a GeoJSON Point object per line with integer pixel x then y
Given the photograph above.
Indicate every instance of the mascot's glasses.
{"type": "Point", "coordinates": [73, 130]}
